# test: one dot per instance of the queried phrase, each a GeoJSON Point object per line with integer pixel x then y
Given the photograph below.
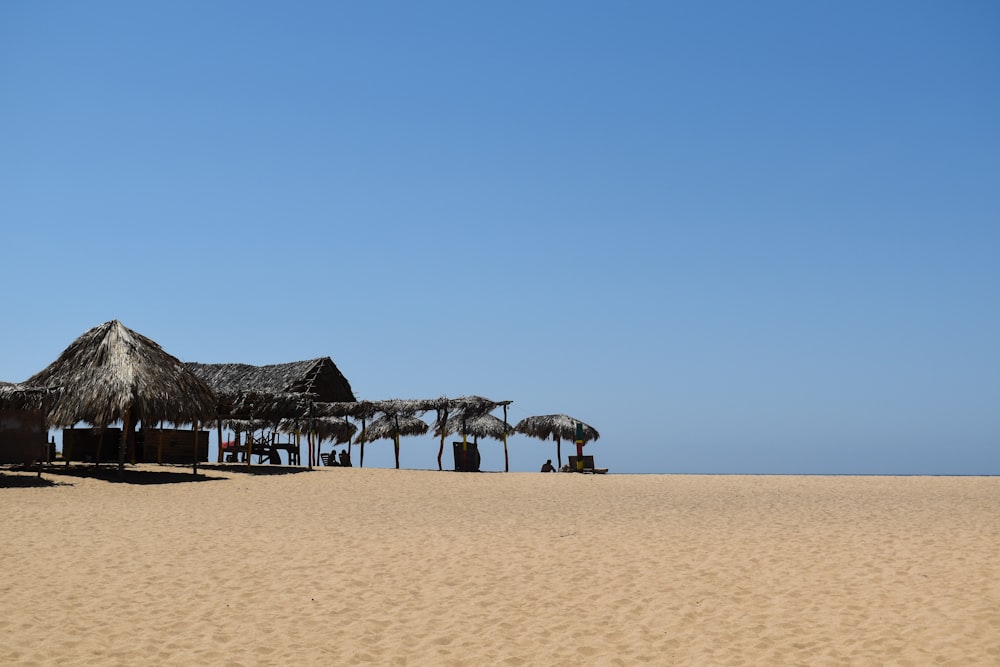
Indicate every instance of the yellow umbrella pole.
{"type": "Point", "coordinates": [506, 460]}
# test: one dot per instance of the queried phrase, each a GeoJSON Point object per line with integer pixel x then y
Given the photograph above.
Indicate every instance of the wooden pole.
{"type": "Point", "coordinates": [558, 452]}
{"type": "Point", "coordinates": [395, 439]}
{"type": "Point", "coordinates": [363, 437]}
{"type": "Point", "coordinates": [196, 425]}
{"type": "Point", "coordinates": [506, 460]}
{"type": "Point", "coordinates": [218, 426]}
{"type": "Point", "coordinates": [67, 452]}
{"type": "Point", "coordinates": [312, 428]}
{"type": "Point", "coordinates": [465, 446]}
{"type": "Point", "coordinates": [444, 427]}
{"type": "Point", "coordinates": [131, 441]}
{"type": "Point", "coordinates": [250, 443]}
{"type": "Point", "coordinates": [122, 444]}
{"type": "Point", "coordinates": [159, 444]}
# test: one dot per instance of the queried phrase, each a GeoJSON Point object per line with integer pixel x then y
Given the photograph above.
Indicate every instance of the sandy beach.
{"type": "Point", "coordinates": [376, 566]}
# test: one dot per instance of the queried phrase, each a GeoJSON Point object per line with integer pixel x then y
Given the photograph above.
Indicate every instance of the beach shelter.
{"type": "Point", "coordinates": [275, 391]}
{"type": "Point", "coordinates": [479, 426]}
{"type": "Point", "coordinates": [22, 423]}
{"type": "Point", "coordinates": [557, 427]}
{"type": "Point", "coordinates": [393, 426]}
{"type": "Point", "coordinates": [111, 374]}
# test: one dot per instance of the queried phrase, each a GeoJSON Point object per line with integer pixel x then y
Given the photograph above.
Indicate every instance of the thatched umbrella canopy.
{"type": "Point", "coordinates": [478, 426]}
{"type": "Point", "coordinates": [340, 431]}
{"type": "Point", "coordinates": [468, 406]}
{"type": "Point", "coordinates": [112, 373]}
{"type": "Point", "coordinates": [394, 426]}
{"type": "Point", "coordinates": [557, 427]}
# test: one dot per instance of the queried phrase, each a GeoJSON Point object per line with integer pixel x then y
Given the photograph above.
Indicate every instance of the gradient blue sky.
{"type": "Point", "coordinates": [734, 237]}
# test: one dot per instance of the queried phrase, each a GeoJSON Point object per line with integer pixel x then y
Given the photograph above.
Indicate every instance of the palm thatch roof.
{"type": "Point", "coordinates": [557, 427]}
{"type": "Point", "coordinates": [111, 373]}
{"type": "Point", "coordinates": [391, 426]}
{"type": "Point", "coordinates": [478, 426]}
{"type": "Point", "coordinates": [340, 431]}
{"type": "Point", "coordinates": [318, 379]}
{"type": "Point", "coordinates": [469, 405]}
{"type": "Point", "coordinates": [15, 396]}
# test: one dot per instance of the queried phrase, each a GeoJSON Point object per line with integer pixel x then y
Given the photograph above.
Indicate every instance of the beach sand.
{"type": "Point", "coordinates": [374, 566]}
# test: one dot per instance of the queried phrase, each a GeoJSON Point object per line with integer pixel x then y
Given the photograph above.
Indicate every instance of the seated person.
{"type": "Point", "coordinates": [548, 467]}
{"type": "Point", "coordinates": [331, 458]}
{"type": "Point", "coordinates": [345, 459]}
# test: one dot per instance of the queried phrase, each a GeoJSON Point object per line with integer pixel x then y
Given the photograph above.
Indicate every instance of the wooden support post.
{"type": "Point", "coordinates": [196, 425]}
{"type": "Point", "coordinates": [363, 437]}
{"type": "Point", "coordinates": [218, 427]}
{"type": "Point", "coordinates": [506, 460]}
{"type": "Point", "coordinates": [159, 445]}
{"type": "Point", "coordinates": [131, 442]}
{"type": "Point", "coordinates": [465, 448]}
{"type": "Point", "coordinates": [123, 443]}
{"type": "Point", "coordinates": [443, 421]}
{"type": "Point", "coordinates": [250, 444]}
{"type": "Point", "coordinates": [559, 453]}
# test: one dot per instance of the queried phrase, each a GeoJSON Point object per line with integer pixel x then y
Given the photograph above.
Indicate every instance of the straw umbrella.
{"type": "Point", "coordinates": [394, 426]}
{"type": "Point", "coordinates": [112, 373]}
{"type": "Point", "coordinates": [478, 426]}
{"type": "Point", "coordinates": [557, 427]}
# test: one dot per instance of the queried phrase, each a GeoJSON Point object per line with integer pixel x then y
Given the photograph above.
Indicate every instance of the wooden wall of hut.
{"type": "Point", "coordinates": [167, 445]}
{"type": "Point", "coordinates": [23, 436]}
{"type": "Point", "coordinates": [82, 444]}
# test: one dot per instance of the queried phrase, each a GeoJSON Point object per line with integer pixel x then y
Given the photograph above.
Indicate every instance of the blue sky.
{"type": "Point", "coordinates": [734, 237]}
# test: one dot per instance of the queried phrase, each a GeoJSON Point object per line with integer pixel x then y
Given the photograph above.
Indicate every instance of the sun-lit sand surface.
{"type": "Point", "coordinates": [363, 566]}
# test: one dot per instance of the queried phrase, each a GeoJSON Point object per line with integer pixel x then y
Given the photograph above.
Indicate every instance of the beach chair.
{"type": "Point", "coordinates": [587, 467]}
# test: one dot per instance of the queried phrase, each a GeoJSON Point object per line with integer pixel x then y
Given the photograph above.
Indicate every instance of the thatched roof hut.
{"type": "Point", "coordinates": [276, 391]}
{"type": "Point", "coordinates": [22, 422]}
{"type": "Point", "coordinates": [15, 396]}
{"type": "Point", "coordinates": [557, 427]}
{"type": "Point", "coordinates": [111, 373]}
{"type": "Point", "coordinates": [320, 379]}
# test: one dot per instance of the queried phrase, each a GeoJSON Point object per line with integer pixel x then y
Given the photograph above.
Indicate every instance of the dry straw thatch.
{"type": "Point", "coordinates": [335, 429]}
{"type": "Point", "coordinates": [557, 427]}
{"type": "Point", "coordinates": [15, 396]}
{"type": "Point", "coordinates": [392, 426]}
{"type": "Point", "coordinates": [112, 373]}
{"type": "Point", "coordinates": [478, 426]}
{"type": "Point", "coordinates": [318, 379]}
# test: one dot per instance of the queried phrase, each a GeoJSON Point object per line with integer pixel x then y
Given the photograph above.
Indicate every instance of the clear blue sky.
{"type": "Point", "coordinates": [734, 237]}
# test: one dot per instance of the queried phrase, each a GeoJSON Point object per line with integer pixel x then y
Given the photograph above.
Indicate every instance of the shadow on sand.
{"type": "Point", "coordinates": [26, 480]}
{"type": "Point", "coordinates": [258, 469]}
{"type": "Point", "coordinates": [110, 473]}
{"type": "Point", "coordinates": [172, 474]}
